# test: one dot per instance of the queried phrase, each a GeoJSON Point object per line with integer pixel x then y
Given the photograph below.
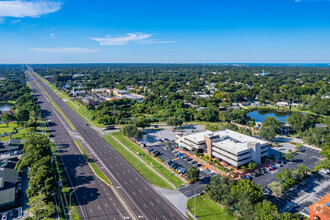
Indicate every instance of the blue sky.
{"type": "Point", "coordinates": [149, 31]}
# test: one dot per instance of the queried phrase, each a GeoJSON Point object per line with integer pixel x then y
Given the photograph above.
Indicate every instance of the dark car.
{"type": "Point", "coordinates": [14, 213]}
{"type": "Point", "coordinates": [160, 140]}
{"type": "Point", "coordinates": [166, 139]}
{"type": "Point", "coordinates": [189, 159]}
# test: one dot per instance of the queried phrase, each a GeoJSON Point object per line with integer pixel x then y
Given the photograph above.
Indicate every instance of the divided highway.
{"type": "Point", "coordinates": [140, 196]}
{"type": "Point", "coordinates": [94, 199]}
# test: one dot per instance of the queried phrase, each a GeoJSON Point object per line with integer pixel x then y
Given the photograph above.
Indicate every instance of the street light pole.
{"type": "Point", "coordinates": [70, 200]}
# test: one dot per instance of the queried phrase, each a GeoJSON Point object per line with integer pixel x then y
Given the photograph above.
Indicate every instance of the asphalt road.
{"type": "Point", "coordinates": [142, 198]}
{"type": "Point", "coordinates": [94, 199]}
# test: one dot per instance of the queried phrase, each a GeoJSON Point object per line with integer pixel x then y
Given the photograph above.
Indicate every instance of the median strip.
{"type": "Point", "coordinates": [60, 111]}
{"type": "Point", "coordinates": [148, 171]}
{"type": "Point", "coordinates": [98, 172]}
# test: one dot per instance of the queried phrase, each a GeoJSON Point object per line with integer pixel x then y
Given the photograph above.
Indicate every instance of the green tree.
{"type": "Point", "coordinates": [266, 210]}
{"type": "Point", "coordinates": [277, 188]}
{"type": "Point", "coordinates": [142, 122]}
{"type": "Point", "coordinates": [22, 115]}
{"type": "Point", "coordinates": [289, 156]}
{"type": "Point", "coordinates": [267, 132]}
{"type": "Point", "coordinates": [252, 165]}
{"type": "Point", "coordinates": [272, 122]}
{"type": "Point", "coordinates": [193, 173]}
{"type": "Point", "coordinates": [131, 131]}
{"type": "Point", "coordinates": [174, 122]}
{"type": "Point", "coordinates": [7, 118]}
{"type": "Point", "coordinates": [39, 208]}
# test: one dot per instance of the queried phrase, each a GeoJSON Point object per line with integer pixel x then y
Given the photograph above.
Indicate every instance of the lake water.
{"type": "Point", "coordinates": [5, 106]}
{"type": "Point", "coordinates": [261, 114]}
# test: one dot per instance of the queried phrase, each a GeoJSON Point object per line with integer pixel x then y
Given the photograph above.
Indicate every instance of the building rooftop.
{"type": "Point", "coordinates": [9, 178]}
{"type": "Point", "coordinates": [322, 207]}
{"type": "Point", "coordinates": [231, 140]}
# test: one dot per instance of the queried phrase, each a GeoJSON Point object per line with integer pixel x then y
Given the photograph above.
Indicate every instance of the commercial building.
{"type": "Point", "coordinates": [320, 210]}
{"type": "Point", "coordinates": [226, 145]}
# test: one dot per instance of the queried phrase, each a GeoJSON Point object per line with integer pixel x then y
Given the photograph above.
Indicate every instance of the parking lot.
{"type": "Point", "coordinates": [305, 155]}
{"type": "Point", "coordinates": [167, 132]}
{"type": "Point", "coordinates": [303, 195]}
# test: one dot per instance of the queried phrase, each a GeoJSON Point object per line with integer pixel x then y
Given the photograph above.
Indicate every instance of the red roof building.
{"type": "Point", "coordinates": [320, 210]}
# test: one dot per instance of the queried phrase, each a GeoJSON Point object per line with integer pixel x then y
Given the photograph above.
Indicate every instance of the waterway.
{"type": "Point", "coordinates": [5, 106]}
{"type": "Point", "coordinates": [261, 114]}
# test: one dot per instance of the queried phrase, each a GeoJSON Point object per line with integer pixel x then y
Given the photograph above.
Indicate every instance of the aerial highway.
{"type": "Point", "coordinates": [94, 199]}
{"type": "Point", "coordinates": [143, 200]}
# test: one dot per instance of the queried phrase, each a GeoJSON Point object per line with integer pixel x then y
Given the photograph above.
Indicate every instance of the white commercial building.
{"type": "Point", "coordinates": [226, 145]}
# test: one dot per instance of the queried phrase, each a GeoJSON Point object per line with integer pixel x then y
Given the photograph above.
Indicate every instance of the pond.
{"type": "Point", "coordinates": [261, 114]}
{"type": "Point", "coordinates": [5, 106]}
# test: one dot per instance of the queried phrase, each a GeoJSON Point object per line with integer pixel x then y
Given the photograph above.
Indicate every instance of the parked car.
{"type": "Point", "coordinates": [160, 140]}
{"type": "Point", "coordinates": [189, 159]}
{"type": "Point", "coordinates": [324, 171]}
{"type": "Point", "coordinates": [166, 139]}
{"type": "Point", "coordinates": [4, 216]}
{"type": "Point", "coordinates": [194, 162]}
{"type": "Point", "coordinates": [19, 179]}
{"type": "Point", "coordinates": [175, 151]}
{"type": "Point", "coordinates": [270, 168]}
{"type": "Point", "coordinates": [14, 213]}
{"type": "Point", "coordinates": [246, 177]}
{"type": "Point", "coordinates": [255, 174]}
{"type": "Point", "coordinates": [264, 170]}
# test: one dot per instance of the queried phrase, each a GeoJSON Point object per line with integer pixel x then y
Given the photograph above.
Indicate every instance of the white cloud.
{"type": "Point", "coordinates": [155, 41]}
{"type": "Point", "coordinates": [21, 9]}
{"type": "Point", "coordinates": [131, 37]}
{"type": "Point", "coordinates": [65, 50]}
{"type": "Point", "coordinates": [52, 35]}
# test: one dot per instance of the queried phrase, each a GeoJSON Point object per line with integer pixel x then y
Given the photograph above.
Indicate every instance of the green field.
{"type": "Point", "coordinates": [21, 134]}
{"type": "Point", "coordinates": [207, 209]}
{"type": "Point", "coordinates": [146, 172]}
{"type": "Point", "coordinates": [96, 169]}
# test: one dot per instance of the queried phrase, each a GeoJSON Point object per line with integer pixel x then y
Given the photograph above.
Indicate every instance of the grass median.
{"type": "Point", "coordinates": [149, 174]}
{"type": "Point", "coordinates": [95, 168]}
{"type": "Point", "coordinates": [207, 209]}
{"type": "Point", "coordinates": [60, 111]}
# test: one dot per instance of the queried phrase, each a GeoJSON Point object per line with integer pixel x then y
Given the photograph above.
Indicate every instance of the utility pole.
{"type": "Point", "coordinates": [70, 200]}
{"type": "Point", "coordinates": [195, 202]}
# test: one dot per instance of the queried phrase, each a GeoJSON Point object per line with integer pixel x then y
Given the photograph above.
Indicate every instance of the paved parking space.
{"type": "Point", "coordinates": [301, 196]}
{"type": "Point", "coordinates": [167, 132]}
{"type": "Point", "coordinates": [307, 156]}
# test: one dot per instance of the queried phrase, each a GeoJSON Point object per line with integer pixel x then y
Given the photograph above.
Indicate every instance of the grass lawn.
{"type": "Point", "coordinates": [8, 101]}
{"type": "Point", "coordinates": [96, 169]}
{"type": "Point", "coordinates": [207, 209]}
{"type": "Point", "coordinates": [148, 159]}
{"type": "Point", "coordinates": [21, 134]}
{"type": "Point", "coordinates": [147, 173]}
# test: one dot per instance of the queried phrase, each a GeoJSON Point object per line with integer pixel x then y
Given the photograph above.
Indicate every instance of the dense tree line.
{"type": "Point", "coordinates": [37, 158]}
{"type": "Point", "coordinates": [244, 199]}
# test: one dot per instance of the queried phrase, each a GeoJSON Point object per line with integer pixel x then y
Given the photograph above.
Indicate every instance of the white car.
{"type": "Point", "coordinates": [324, 171]}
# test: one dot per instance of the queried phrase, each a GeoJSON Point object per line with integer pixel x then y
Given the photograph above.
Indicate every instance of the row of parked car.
{"type": "Point", "coordinates": [177, 167]}
{"type": "Point", "coordinates": [154, 151]}
{"type": "Point", "coordinates": [10, 214]}
{"type": "Point", "coordinates": [265, 170]}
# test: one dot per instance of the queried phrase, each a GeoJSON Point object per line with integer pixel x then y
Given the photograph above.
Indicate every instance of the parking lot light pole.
{"type": "Point", "coordinates": [70, 200]}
